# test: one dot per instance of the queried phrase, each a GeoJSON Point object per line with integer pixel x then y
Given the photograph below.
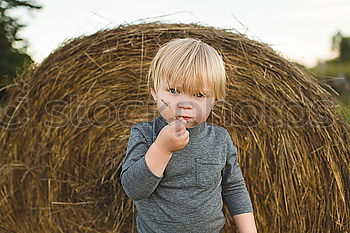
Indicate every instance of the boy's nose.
{"type": "Point", "coordinates": [185, 105]}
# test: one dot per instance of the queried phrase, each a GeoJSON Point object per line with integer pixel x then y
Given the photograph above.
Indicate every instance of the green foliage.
{"type": "Point", "coordinates": [336, 68]}
{"type": "Point", "coordinates": [11, 26]}
{"type": "Point", "coordinates": [331, 69]}
{"type": "Point", "coordinates": [339, 65]}
{"type": "Point", "coordinates": [344, 108]}
{"type": "Point", "coordinates": [341, 45]}
{"type": "Point", "coordinates": [11, 59]}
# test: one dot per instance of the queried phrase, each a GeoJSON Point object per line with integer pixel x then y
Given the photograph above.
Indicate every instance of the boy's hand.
{"type": "Point", "coordinates": [174, 136]}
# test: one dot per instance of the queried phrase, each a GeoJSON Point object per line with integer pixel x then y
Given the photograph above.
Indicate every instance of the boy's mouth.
{"type": "Point", "coordinates": [186, 117]}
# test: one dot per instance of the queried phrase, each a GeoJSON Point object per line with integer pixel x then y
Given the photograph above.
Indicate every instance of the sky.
{"type": "Point", "coordinates": [300, 30]}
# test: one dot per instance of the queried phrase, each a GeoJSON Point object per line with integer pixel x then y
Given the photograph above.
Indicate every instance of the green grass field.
{"type": "Point", "coordinates": [325, 70]}
{"type": "Point", "coordinates": [344, 108]}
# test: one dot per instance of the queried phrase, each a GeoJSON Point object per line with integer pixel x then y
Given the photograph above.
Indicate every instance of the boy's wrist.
{"type": "Point", "coordinates": [160, 148]}
{"type": "Point", "coordinates": [157, 159]}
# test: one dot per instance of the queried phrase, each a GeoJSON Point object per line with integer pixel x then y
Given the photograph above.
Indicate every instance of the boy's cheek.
{"type": "Point", "coordinates": [210, 102]}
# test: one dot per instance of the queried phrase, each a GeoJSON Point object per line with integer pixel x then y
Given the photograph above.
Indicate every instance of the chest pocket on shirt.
{"type": "Point", "coordinates": [208, 172]}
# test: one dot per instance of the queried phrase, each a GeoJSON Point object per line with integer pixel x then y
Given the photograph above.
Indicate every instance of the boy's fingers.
{"type": "Point", "coordinates": [178, 127]}
{"type": "Point", "coordinates": [179, 124]}
{"type": "Point", "coordinates": [181, 132]}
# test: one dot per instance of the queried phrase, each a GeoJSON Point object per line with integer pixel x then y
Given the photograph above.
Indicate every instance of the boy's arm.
{"type": "Point", "coordinates": [245, 223]}
{"type": "Point", "coordinates": [157, 159]}
{"type": "Point", "coordinates": [234, 190]}
{"type": "Point", "coordinates": [137, 179]}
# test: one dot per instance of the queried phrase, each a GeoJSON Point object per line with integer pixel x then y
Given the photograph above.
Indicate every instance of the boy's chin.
{"type": "Point", "coordinates": [190, 125]}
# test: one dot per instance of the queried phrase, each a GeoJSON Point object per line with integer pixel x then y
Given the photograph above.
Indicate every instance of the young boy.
{"type": "Point", "coordinates": [178, 168]}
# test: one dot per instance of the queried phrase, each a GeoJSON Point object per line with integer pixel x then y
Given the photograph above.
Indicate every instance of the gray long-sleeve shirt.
{"type": "Point", "coordinates": [188, 197]}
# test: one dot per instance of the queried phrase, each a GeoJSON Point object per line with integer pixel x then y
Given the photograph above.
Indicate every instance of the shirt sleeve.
{"type": "Point", "coordinates": [234, 190]}
{"type": "Point", "coordinates": [137, 179]}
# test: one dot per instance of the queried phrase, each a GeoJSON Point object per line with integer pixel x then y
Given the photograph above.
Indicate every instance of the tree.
{"type": "Point", "coordinates": [341, 45]}
{"type": "Point", "coordinates": [11, 58]}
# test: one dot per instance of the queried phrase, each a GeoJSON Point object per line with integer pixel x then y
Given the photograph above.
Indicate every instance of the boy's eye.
{"type": "Point", "coordinates": [200, 95]}
{"type": "Point", "coordinates": [173, 91]}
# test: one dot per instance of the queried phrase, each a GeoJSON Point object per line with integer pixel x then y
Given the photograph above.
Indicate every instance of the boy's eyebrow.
{"type": "Point", "coordinates": [207, 91]}
{"type": "Point", "coordinates": [171, 85]}
{"type": "Point", "coordinates": [179, 88]}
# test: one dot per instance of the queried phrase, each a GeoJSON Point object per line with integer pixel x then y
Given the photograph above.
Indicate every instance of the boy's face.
{"type": "Point", "coordinates": [196, 107]}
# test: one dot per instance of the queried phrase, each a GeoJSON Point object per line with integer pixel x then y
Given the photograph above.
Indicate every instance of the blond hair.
{"type": "Point", "coordinates": [188, 64]}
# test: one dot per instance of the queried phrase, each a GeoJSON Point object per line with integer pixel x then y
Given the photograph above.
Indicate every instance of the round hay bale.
{"type": "Point", "coordinates": [65, 129]}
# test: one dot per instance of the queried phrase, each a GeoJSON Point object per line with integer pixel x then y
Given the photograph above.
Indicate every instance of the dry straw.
{"type": "Point", "coordinates": [64, 134]}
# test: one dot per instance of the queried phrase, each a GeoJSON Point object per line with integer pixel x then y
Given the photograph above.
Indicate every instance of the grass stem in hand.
{"type": "Point", "coordinates": [171, 110]}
